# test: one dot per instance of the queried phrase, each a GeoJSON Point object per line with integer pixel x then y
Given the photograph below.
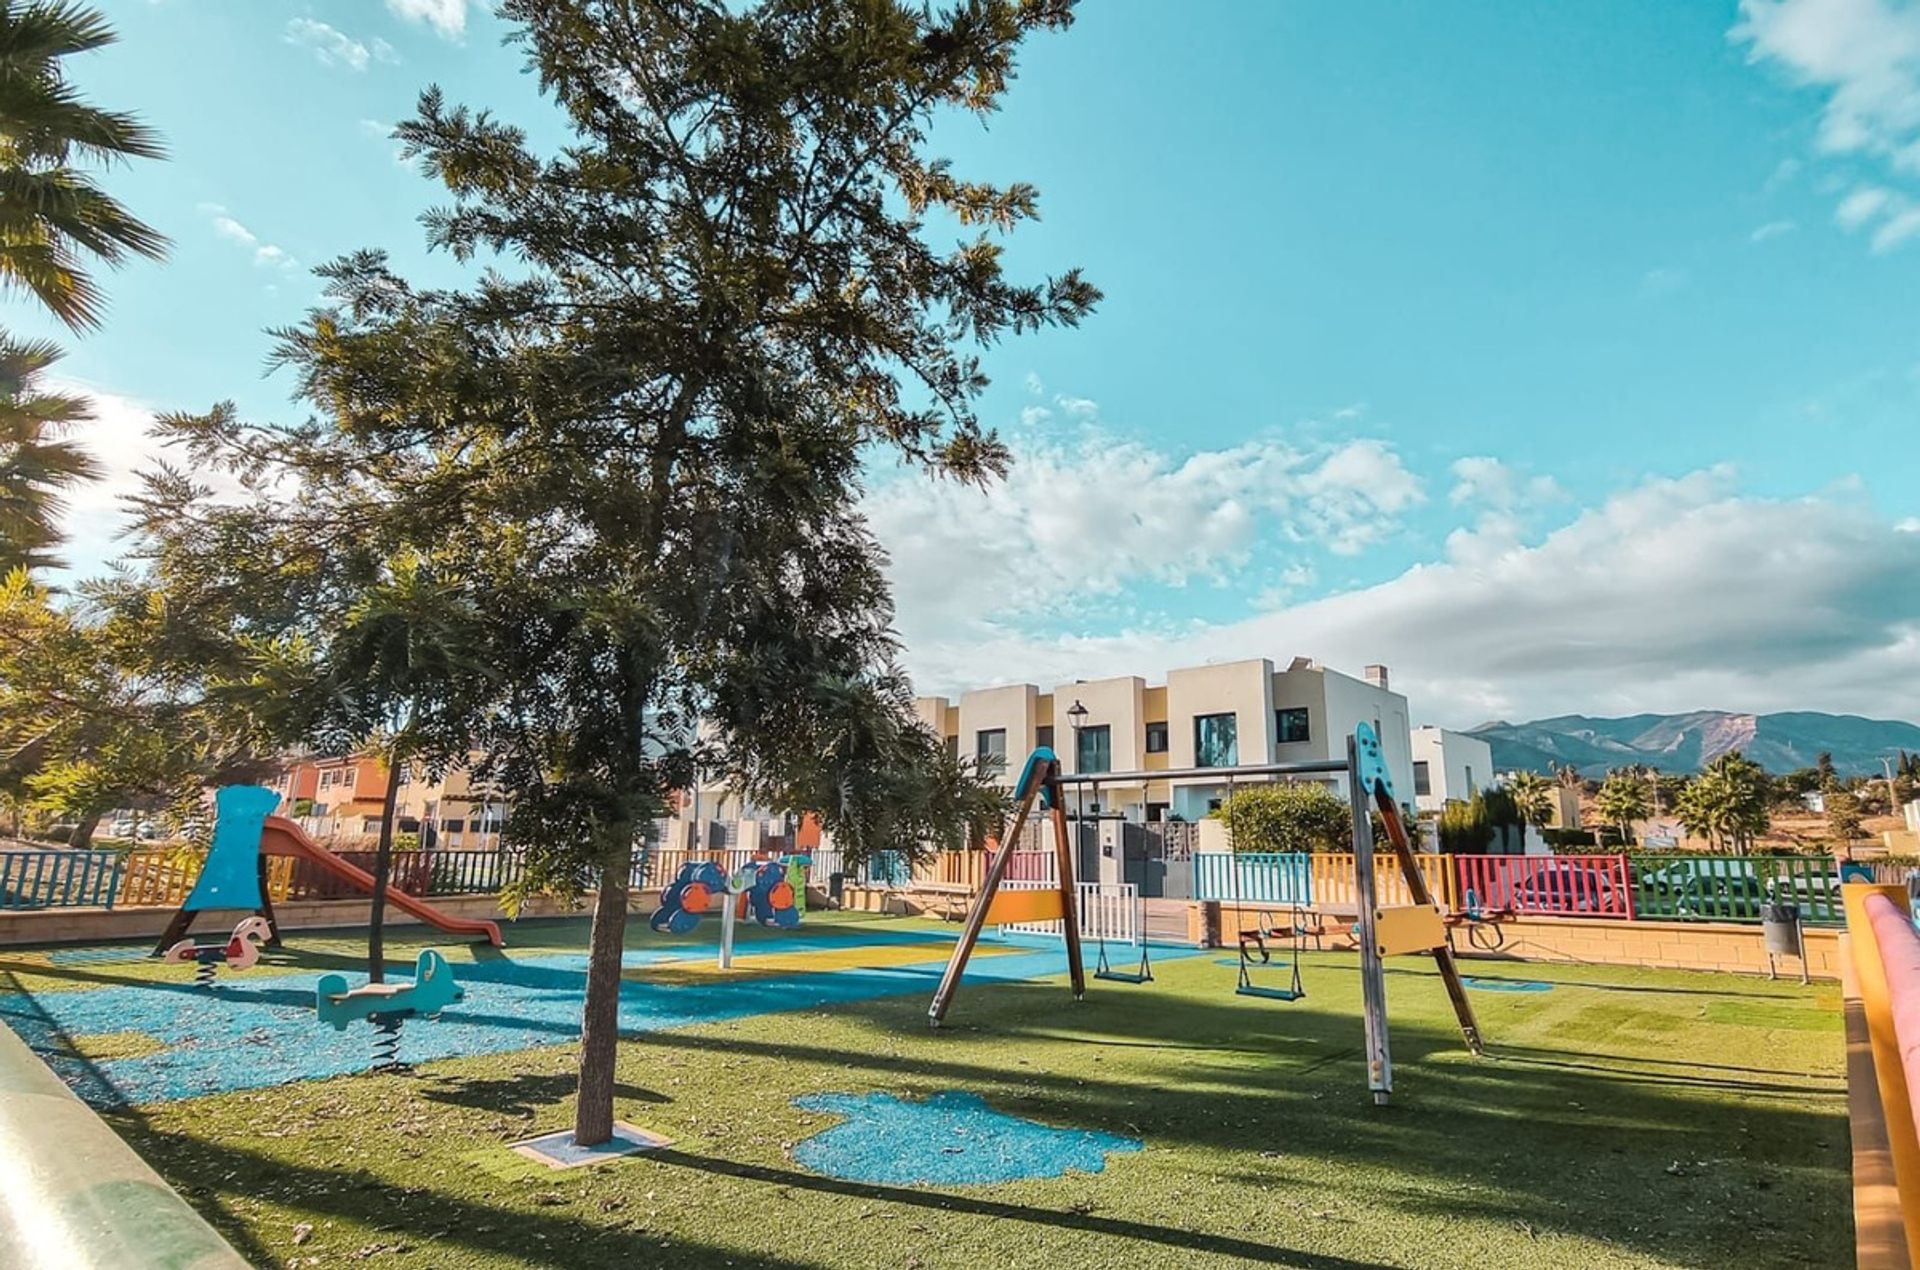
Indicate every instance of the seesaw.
{"type": "Point", "coordinates": [238, 953]}
{"type": "Point", "coordinates": [386, 1005]}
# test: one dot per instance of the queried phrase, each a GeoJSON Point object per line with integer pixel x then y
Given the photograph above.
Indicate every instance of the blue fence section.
{"type": "Point", "coordinates": [1253, 878]}
{"type": "Point", "coordinates": [887, 868]}
{"type": "Point", "coordinates": [59, 879]}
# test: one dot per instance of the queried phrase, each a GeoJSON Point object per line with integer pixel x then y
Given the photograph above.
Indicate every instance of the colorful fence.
{"type": "Point", "coordinates": [1704, 888]}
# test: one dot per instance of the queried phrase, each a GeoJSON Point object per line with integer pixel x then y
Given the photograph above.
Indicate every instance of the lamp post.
{"type": "Point", "coordinates": [1077, 714]}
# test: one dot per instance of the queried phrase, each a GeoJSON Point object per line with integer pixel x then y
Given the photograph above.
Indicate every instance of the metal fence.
{"type": "Point", "coordinates": [1254, 877]}
{"type": "Point", "coordinates": [1720, 888]}
{"type": "Point", "coordinates": [1108, 911]}
{"type": "Point", "coordinates": [1699, 887]}
{"type": "Point", "coordinates": [1563, 885]}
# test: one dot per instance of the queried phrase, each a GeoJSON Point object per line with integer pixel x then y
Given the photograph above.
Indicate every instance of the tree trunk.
{"type": "Point", "coordinates": [82, 836]}
{"type": "Point", "coordinates": [600, 1021]}
{"type": "Point", "coordinates": [382, 868]}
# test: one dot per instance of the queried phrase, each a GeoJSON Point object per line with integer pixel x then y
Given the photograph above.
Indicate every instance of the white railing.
{"type": "Point", "coordinates": [826, 862]}
{"type": "Point", "coordinates": [1108, 911]}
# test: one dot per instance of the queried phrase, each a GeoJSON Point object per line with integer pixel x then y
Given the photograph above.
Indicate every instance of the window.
{"type": "Point", "coordinates": [346, 778]}
{"type": "Point", "coordinates": [1472, 788]}
{"type": "Point", "coordinates": [1422, 783]}
{"type": "Point", "coordinates": [990, 747]}
{"type": "Point", "coordinates": [1043, 736]}
{"type": "Point", "coordinates": [1215, 740]}
{"type": "Point", "coordinates": [1156, 738]}
{"type": "Point", "coordinates": [369, 824]}
{"type": "Point", "coordinates": [1290, 724]}
{"type": "Point", "coordinates": [452, 825]}
{"type": "Point", "coordinates": [1095, 750]}
{"type": "Point", "coordinates": [406, 776]}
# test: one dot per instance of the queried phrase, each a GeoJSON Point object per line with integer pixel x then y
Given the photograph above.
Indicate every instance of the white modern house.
{"type": "Point", "coordinates": [1448, 767]}
{"type": "Point", "coordinates": [1225, 715]}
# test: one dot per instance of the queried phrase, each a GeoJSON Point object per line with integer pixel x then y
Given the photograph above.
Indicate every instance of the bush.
{"type": "Point", "coordinates": [1464, 828]}
{"type": "Point", "coordinates": [1570, 839]}
{"type": "Point", "coordinates": [1285, 818]}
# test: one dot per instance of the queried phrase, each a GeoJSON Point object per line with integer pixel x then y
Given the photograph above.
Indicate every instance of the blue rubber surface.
{"type": "Point", "coordinates": [259, 1029]}
{"type": "Point", "coordinates": [1507, 985]}
{"type": "Point", "coordinates": [950, 1139]}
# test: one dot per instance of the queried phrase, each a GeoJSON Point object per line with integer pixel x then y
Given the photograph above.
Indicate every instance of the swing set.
{"type": "Point", "coordinates": [1380, 931]}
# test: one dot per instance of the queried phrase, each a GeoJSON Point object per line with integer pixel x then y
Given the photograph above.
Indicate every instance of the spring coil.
{"type": "Point", "coordinates": [386, 1042]}
{"type": "Point", "coordinates": [203, 973]}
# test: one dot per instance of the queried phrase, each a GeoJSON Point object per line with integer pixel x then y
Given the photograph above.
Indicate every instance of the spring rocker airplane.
{"type": "Point", "coordinates": [239, 953]}
{"type": "Point", "coordinates": [388, 1005]}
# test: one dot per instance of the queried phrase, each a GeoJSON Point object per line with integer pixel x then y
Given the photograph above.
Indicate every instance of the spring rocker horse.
{"type": "Point", "coordinates": [388, 1005]}
{"type": "Point", "coordinates": [241, 952]}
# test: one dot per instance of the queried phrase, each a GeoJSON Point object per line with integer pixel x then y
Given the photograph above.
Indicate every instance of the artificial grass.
{"type": "Point", "coordinates": [1624, 1119]}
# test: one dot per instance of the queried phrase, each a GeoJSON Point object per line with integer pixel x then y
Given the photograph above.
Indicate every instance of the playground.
{"type": "Point", "coordinates": [1620, 1117]}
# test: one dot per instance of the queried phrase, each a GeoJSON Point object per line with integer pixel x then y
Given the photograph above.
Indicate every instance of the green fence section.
{"type": "Point", "coordinates": [1723, 888]}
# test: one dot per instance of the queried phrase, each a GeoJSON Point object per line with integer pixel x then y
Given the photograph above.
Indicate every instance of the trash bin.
{"type": "Point", "coordinates": [837, 888]}
{"type": "Point", "coordinates": [1780, 927]}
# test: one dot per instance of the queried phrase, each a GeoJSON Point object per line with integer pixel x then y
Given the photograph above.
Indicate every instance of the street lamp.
{"type": "Point", "coordinates": [1078, 715]}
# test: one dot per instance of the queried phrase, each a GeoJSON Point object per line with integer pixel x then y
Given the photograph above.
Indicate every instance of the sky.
{"type": "Point", "coordinates": [1562, 358]}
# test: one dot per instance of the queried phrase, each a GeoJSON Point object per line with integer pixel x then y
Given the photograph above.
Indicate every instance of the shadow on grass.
{"type": "Point", "coordinates": [946, 1201]}
{"type": "Point", "coordinates": [210, 1172]}
{"type": "Point", "coordinates": [520, 1095]}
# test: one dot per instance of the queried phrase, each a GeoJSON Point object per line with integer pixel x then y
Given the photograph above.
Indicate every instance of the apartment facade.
{"type": "Point", "coordinates": [1231, 714]}
{"type": "Point", "coordinates": [1448, 767]}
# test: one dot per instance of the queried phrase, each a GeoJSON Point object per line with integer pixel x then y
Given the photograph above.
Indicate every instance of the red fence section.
{"type": "Point", "coordinates": [1566, 885]}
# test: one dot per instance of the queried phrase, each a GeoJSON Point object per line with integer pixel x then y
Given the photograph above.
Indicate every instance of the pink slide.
{"type": "Point", "coordinates": [282, 837]}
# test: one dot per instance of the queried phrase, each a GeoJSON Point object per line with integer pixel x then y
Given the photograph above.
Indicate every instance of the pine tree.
{"type": "Point", "coordinates": [645, 444]}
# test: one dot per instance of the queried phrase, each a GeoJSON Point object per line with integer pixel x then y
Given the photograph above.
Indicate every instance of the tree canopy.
{"type": "Point", "coordinates": [633, 444]}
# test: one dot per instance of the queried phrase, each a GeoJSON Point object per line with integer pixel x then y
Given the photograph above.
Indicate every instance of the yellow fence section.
{"type": "Point", "coordinates": [953, 869]}
{"type": "Point", "coordinates": [1334, 884]}
{"type": "Point", "coordinates": [159, 877]}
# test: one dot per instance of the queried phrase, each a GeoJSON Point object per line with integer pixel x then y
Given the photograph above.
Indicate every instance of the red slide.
{"type": "Point", "coordinates": [282, 837]}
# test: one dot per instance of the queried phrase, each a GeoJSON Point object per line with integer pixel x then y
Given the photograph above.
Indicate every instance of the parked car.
{"type": "Point", "coordinates": [1566, 888]}
{"type": "Point", "coordinates": [1704, 886]}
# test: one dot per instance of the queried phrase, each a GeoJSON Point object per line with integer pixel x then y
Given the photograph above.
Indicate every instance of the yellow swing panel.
{"type": "Point", "coordinates": [1408, 928]}
{"type": "Point", "coordinates": [1009, 907]}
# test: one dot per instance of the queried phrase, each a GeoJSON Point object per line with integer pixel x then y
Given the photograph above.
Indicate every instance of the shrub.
{"type": "Point", "coordinates": [1306, 816]}
{"type": "Point", "coordinates": [1464, 828]}
{"type": "Point", "coordinates": [1569, 839]}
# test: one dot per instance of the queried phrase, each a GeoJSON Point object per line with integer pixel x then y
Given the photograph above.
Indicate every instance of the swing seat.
{"type": "Point", "coordinates": [1124, 976]}
{"type": "Point", "coordinates": [1269, 994]}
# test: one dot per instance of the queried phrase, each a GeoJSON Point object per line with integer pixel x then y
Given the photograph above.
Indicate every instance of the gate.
{"type": "Point", "coordinates": [1166, 864]}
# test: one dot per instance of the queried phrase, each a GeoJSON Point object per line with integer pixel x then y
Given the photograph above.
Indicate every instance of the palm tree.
{"type": "Point", "coordinates": [1622, 800]}
{"type": "Point", "coordinates": [1532, 796]}
{"type": "Point", "coordinates": [52, 217]}
{"type": "Point", "coordinates": [35, 465]}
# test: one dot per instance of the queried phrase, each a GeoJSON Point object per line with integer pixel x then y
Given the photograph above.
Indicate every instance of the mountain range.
{"type": "Point", "coordinates": [1687, 742]}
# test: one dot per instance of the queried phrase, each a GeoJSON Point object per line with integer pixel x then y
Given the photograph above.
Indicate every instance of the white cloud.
{"type": "Point", "coordinates": [335, 47]}
{"type": "Point", "coordinates": [1772, 229]}
{"type": "Point", "coordinates": [119, 438]}
{"type": "Point", "coordinates": [1862, 204]}
{"type": "Point", "coordinates": [1897, 228]}
{"type": "Point", "coordinates": [448, 18]}
{"type": "Point", "coordinates": [1675, 594]}
{"type": "Point", "coordinates": [1863, 56]}
{"type": "Point", "coordinates": [266, 254]}
{"type": "Point", "coordinates": [1076, 525]}
{"type": "Point", "coordinates": [1486, 480]}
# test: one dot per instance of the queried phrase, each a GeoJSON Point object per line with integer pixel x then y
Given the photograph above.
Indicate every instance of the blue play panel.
{"type": "Point", "coordinates": [258, 1029]}
{"type": "Point", "coordinates": [950, 1139]}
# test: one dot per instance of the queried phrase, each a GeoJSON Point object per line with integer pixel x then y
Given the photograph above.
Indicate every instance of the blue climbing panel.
{"type": "Point", "coordinates": [231, 878]}
{"type": "Point", "coordinates": [1373, 763]}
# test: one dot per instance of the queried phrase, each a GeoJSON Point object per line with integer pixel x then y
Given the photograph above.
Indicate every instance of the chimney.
{"type": "Point", "coordinates": [1377, 676]}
